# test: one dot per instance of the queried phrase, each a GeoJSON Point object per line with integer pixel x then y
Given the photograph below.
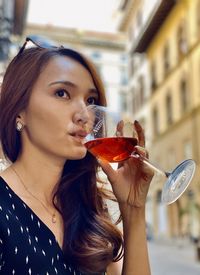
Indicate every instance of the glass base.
{"type": "Point", "coordinates": [178, 181]}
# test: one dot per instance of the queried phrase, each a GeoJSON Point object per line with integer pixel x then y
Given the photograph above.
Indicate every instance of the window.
{"type": "Point", "coordinates": [131, 67]}
{"type": "Point", "coordinates": [123, 76]}
{"type": "Point", "coordinates": [169, 109]}
{"type": "Point", "coordinates": [141, 90]}
{"type": "Point", "coordinates": [183, 95]}
{"type": "Point", "coordinates": [155, 122]}
{"type": "Point", "coordinates": [123, 58]}
{"type": "Point", "coordinates": [182, 39]}
{"type": "Point", "coordinates": [153, 77]}
{"type": "Point", "coordinates": [166, 59]}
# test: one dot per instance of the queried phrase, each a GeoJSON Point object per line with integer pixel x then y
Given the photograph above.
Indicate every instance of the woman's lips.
{"type": "Point", "coordinates": [79, 135]}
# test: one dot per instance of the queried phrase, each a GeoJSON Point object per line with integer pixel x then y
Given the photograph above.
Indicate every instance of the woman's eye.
{"type": "Point", "coordinates": [62, 93]}
{"type": "Point", "coordinates": [92, 100]}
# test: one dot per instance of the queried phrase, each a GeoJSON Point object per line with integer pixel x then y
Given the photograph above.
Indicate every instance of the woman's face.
{"type": "Point", "coordinates": [53, 120]}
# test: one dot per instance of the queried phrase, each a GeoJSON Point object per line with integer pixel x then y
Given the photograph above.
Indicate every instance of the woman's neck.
{"type": "Point", "coordinates": [40, 175]}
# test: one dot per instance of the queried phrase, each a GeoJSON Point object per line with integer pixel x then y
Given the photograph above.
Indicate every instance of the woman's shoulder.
{"type": "Point", "coordinates": [5, 193]}
{"type": "Point", "coordinates": [5, 204]}
{"type": "Point", "coordinates": [3, 183]}
{"type": "Point", "coordinates": [3, 176]}
{"type": "Point", "coordinates": [6, 180]}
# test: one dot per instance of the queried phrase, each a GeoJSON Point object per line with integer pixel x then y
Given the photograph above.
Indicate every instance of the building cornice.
{"type": "Point", "coordinates": [114, 41]}
{"type": "Point", "coordinates": [152, 26]}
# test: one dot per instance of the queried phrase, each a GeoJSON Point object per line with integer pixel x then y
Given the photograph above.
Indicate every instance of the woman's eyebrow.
{"type": "Point", "coordinates": [94, 91]}
{"type": "Point", "coordinates": [67, 83]}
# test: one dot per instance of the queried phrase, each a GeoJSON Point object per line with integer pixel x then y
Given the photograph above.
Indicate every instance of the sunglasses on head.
{"type": "Point", "coordinates": [43, 45]}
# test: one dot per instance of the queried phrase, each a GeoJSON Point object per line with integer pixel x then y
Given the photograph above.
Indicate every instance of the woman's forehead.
{"type": "Point", "coordinates": [65, 64]}
{"type": "Point", "coordinates": [65, 69]}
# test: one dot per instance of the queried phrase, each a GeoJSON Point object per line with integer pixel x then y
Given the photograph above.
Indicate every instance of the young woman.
{"type": "Point", "coordinates": [53, 216]}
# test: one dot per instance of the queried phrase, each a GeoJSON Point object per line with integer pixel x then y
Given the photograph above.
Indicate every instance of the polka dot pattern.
{"type": "Point", "coordinates": [27, 245]}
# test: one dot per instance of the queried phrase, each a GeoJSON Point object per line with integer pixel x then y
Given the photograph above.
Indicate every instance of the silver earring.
{"type": "Point", "coordinates": [19, 126]}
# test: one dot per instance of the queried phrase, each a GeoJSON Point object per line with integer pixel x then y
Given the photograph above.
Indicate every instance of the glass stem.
{"type": "Point", "coordinates": [151, 165]}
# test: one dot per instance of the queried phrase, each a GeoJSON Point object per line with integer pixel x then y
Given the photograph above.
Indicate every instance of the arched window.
{"type": "Point", "coordinates": [166, 59]}
{"type": "Point", "coordinates": [123, 76]}
{"type": "Point", "coordinates": [184, 96]}
{"type": "Point", "coordinates": [153, 77]}
{"type": "Point", "coordinates": [132, 67]}
{"type": "Point", "coordinates": [155, 121]}
{"type": "Point", "coordinates": [141, 90]}
{"type": "Point", "coordinates": [182, 39]}
{"type": "Point", "coordinates": [169, 109]}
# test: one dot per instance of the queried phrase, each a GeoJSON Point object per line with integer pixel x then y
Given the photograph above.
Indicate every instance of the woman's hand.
{"type": "Point", "coordinates": [130, 182]}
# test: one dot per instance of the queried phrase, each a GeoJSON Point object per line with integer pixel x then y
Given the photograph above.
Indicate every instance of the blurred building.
{"type": "Point", "coordinates": [12, 22]}
{"type": "Point", "coordinates": [164, 51]}
{"type": "Point", "coordinates": [131, 16]}
{"type": "Point", "coordinates": [106, 50]}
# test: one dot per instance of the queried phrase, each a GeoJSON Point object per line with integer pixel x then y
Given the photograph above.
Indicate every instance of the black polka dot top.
{"type": "Point", "coordinates": [27, 245]}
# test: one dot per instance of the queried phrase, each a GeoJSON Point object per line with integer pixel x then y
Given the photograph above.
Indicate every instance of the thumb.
{"type": "Point", "coordinates": [107, 169]}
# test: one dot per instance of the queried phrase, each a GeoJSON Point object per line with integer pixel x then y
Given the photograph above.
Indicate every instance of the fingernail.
{"type": "Point", "coordinates": [135, 155]}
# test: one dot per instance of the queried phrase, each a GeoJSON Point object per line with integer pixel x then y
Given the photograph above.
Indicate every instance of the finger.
{"type": "Point", "coordinates": [107, 169]}
{"type": "Point", "coordinates": [140, 133]}
{"type": "Point", "coordinates": [141, 151]}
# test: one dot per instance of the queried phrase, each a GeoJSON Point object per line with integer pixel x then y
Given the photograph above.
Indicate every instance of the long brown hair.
{"type": "Point", "coordinates": [91, 240]}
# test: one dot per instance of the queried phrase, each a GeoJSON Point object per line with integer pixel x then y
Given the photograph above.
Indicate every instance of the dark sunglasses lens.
{"type": "Point", "coordinates": [40, 42]}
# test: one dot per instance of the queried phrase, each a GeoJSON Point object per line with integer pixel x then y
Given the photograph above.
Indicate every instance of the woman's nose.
{"type": "Point", "coordinates": [81, 116]}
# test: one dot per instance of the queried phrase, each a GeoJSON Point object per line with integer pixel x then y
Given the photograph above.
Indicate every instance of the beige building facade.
{"type": "Point", "coordinates": [170, 41]}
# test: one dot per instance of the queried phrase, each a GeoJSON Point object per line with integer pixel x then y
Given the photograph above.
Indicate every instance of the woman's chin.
{"type": "Point", "coordinates": [79, 154]}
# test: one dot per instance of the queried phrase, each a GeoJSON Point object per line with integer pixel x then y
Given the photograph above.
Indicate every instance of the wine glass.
{"type": "Point", "coordinates": [110, 137]}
